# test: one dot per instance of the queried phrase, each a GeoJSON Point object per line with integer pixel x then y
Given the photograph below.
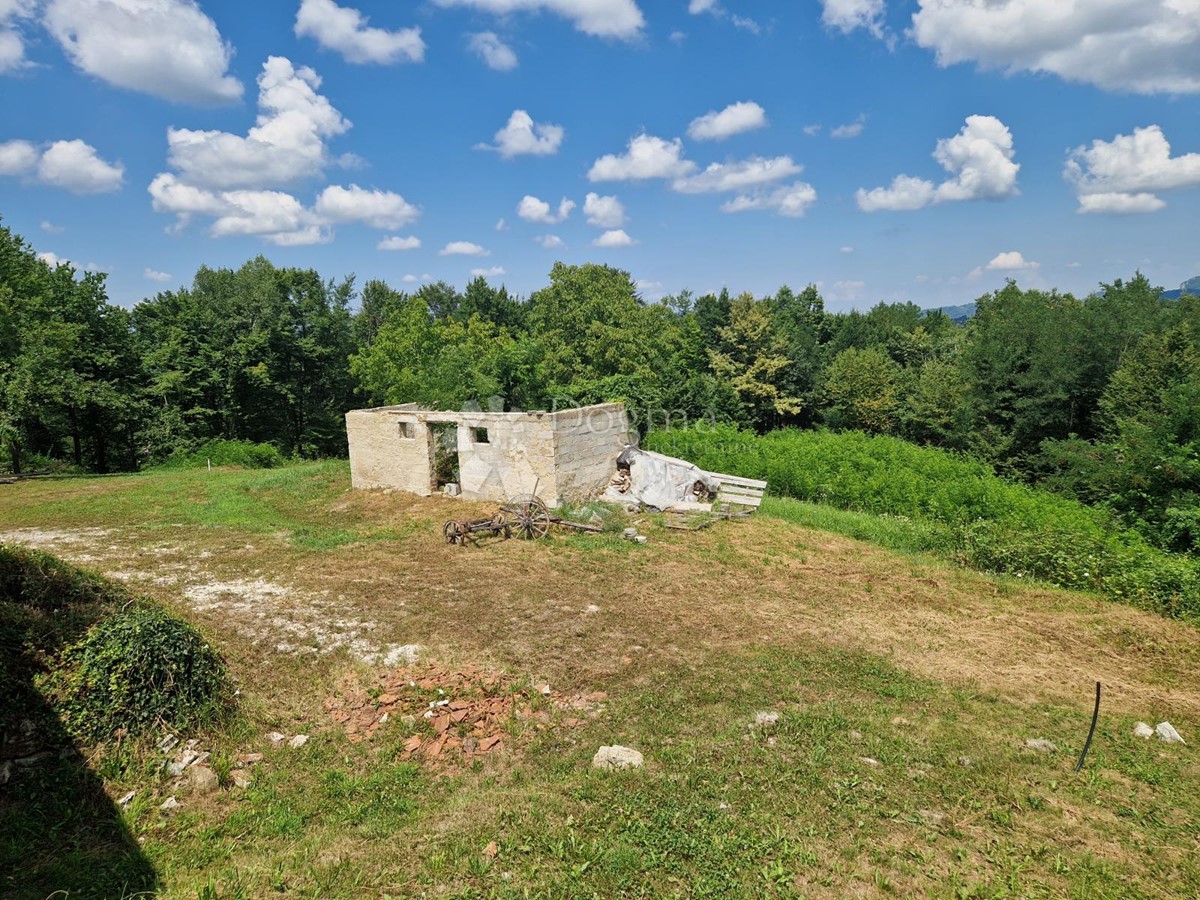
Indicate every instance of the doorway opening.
{"type": "Point", "coordinates": [443, 438]}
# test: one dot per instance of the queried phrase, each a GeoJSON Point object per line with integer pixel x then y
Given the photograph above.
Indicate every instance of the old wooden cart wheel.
{"type": "Point", "coordinates": [500, 525]}
{"type": "Point", "coordinates": [452, 532]}
{"type": "Point", "coordinates": [528, 516]}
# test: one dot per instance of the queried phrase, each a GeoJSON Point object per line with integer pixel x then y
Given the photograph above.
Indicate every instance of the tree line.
{"type": "Point", "coordinates": [1097, 397]}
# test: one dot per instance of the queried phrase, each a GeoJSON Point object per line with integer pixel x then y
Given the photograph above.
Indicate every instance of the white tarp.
{"type": "Point", "coordinates": [660, 481]}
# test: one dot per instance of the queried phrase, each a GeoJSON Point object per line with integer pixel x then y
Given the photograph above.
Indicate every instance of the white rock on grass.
{"type": "Point", "coordinates": [1167, 734]}
{"type": "Point", "coordinates": [617, 757]}
{"type": "Point", "coordinates": [869, 761]}
{"type": "Point", "coordinates": [1041, 745]}
{"type": "Point", "coordinates": [1142, 730]}
{"type": "Point", "coordinates": [169, 804]}
{"type": "Point", "coordinates": [765, 719]}
{"type": "Point", "coordinates": [203, 779]}
{"type": "Point", "coordinates": [298, 741]}
{"type": "Point", "coordinates": [276, 738]}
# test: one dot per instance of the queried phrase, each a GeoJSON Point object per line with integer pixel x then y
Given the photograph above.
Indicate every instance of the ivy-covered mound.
{"type": "Point", "coordinates": [101, 660]}
{"type": "Point", "coordinates": [137, 669]}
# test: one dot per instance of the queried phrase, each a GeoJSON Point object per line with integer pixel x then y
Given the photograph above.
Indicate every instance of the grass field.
{"type": "Point", "coordinates": [905, 689]}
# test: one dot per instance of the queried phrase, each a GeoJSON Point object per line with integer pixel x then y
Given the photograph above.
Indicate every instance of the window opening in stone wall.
{"type": "Point", "coordinates": [406, 430]}
{"type": "Point", "coordinates": [480, 435]}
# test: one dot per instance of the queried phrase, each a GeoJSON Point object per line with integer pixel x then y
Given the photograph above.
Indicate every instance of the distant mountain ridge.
{"type": "Point", "coordinates": [958, 314]}
{"type": "Point", "coordinates": [964, 311]}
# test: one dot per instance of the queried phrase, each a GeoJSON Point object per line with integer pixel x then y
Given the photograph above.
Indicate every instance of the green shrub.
{"type": "Point", "coordinates": [990, 523]}
{"type": "Point", "coordinates": [137, 669]}
{"type": "Point", "coordinates": [243, 454]}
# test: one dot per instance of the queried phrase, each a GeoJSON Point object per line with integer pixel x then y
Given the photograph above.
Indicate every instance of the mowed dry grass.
{"type": "Point", "coordinates": [684, 597]}
{"type": "Point", "coordinates": [863, 652]}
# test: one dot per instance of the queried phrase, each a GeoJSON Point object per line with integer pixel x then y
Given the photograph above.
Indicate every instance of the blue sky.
{"type": "Point", "coordinates": [922, 150]}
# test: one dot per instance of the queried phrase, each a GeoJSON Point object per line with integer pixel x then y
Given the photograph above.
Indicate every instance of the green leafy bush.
{"type": "Point", "coordinates": [134, 670]}
{"type": "Point", "coordinates": [989, 523]}
{"type": "Point", "coordinates": [243, 454]}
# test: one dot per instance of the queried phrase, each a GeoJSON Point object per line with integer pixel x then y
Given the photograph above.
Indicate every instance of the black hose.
{"type": "Point", "coordinates": [1091, 732]}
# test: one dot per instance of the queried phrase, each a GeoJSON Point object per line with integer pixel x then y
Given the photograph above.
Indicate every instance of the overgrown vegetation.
{"type": "Point", "coordinates": [137, 670]}
{"type": "Point", "coordinates": [965, 510]}
{"type": "Point", "coordinates": [218, 452]}
{"type": "Point", "coordinates": [81, 647]}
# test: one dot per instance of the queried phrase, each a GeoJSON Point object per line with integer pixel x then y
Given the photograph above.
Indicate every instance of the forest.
{"type": "Point", "coordinates": [1095, 398]}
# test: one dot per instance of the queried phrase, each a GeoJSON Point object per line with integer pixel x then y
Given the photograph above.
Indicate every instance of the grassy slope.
{"type": "Point", "coordinates": [863, 652]}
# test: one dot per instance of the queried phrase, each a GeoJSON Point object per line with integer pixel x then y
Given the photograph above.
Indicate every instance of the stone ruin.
{"type": "Point", "coordinates": [563, 455]}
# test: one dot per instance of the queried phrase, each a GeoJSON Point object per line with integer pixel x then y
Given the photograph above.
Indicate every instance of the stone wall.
{"type": "Point", "coordinates": [565, 455]}
{"type": "Point", "coordinates": [389, 448]}
{"type": "Point", "coordinates": [587, 442]}
{"type": "Point", "coordinates": [517, 457]}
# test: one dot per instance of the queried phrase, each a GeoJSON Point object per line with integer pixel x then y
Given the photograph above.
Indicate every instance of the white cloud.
{"type": "Point", "coordinates": [531, 209]}
{"type": "Point", "coordinates": [463, 248]}
{"type": "Point", "coordinates": [1125, 174]}
{"type": "Point", "coordinates": [378, 209]}
{"type": "Point", "coordinates": [848, 15]}
{"type": "Point", "coordinates": [346, 31]}
{"type": "Point", "coordinates": [53, 260]}
{"type": "Point", "coordinates": [1139, 46]}
{"type": "Point", "coordinates": [410, 278]}
{"type": "Point", "coordinates": [677, 37]}
{"type": "Point", "coordinates": [847, 290]}
{"type": "Point", "coordinates": [549, 241]}
{"type": "Point", "coordinates": [646, 157]}
{"type": "Point", "coordinates": [738, 176]}
{"type": "Point", "coordinates": [717, 11]}
{"type": "Point", "coordinates": [12, 43]}
{"type": "Point", "coordinates": [745, 24]}
{"type": "Point", "coordinates": [286, 144]}
{"type": "Point", "coordinates": [851, 130]}
{"type": "Point", "coordinates": [493, 51]}
{"type": "Point", "coordinates": [521, 136]}
{"type": "Point", "coordinates": [1120, 204]}
{"type": "Point", "coordinates": [905, 193]}
{"type": "Point", "coordinates": [733, 119]}
{"type": "Point", "coordinates": [603, 212]}
{"type": "Point", "coordinates": [351, 161]}
{"type": "Point", "coordinates": [614, 238]}
{"type": "Point", "coordinates": [812, 130]}
{"type": "Point", "coordinates": [18, 157]}
{"type": "Point", "coordinates": [51, 228]}
{"type": "Point", "coordinates": [501, 225]}
{"type": "Point", "coordinates": [155, 275]}
{"type": "Point", "coordinates": [1011, 261]}
{"type": "Point", "coordinates": [168, 48]}
{"type": "Point", "coordinates": [790, 201]}
{"type": "Point", "coordinates": [602, 18]}
{"type": "Point", "coordinates": [493, 272]}
{"type": "Point", "coordinates": [274, 216]}
{"type": "Point", "coordinates": [277, 217]}
{"type": "Point", "coordinates": [74, 166]}
{"type": "Point", "coordinates": [395, 242]}
{"type": "Point", "coordinates": [980, 162]}
{"type": "Point", "coordinates": [845, 249]}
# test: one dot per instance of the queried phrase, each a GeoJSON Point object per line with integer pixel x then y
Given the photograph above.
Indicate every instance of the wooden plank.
{"type": "Point", "coordinates": [741, 482]}
{"type": "Point", "coordinates": [739, 501]}
{"type": "Point", "coordinates": [727, 490]}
